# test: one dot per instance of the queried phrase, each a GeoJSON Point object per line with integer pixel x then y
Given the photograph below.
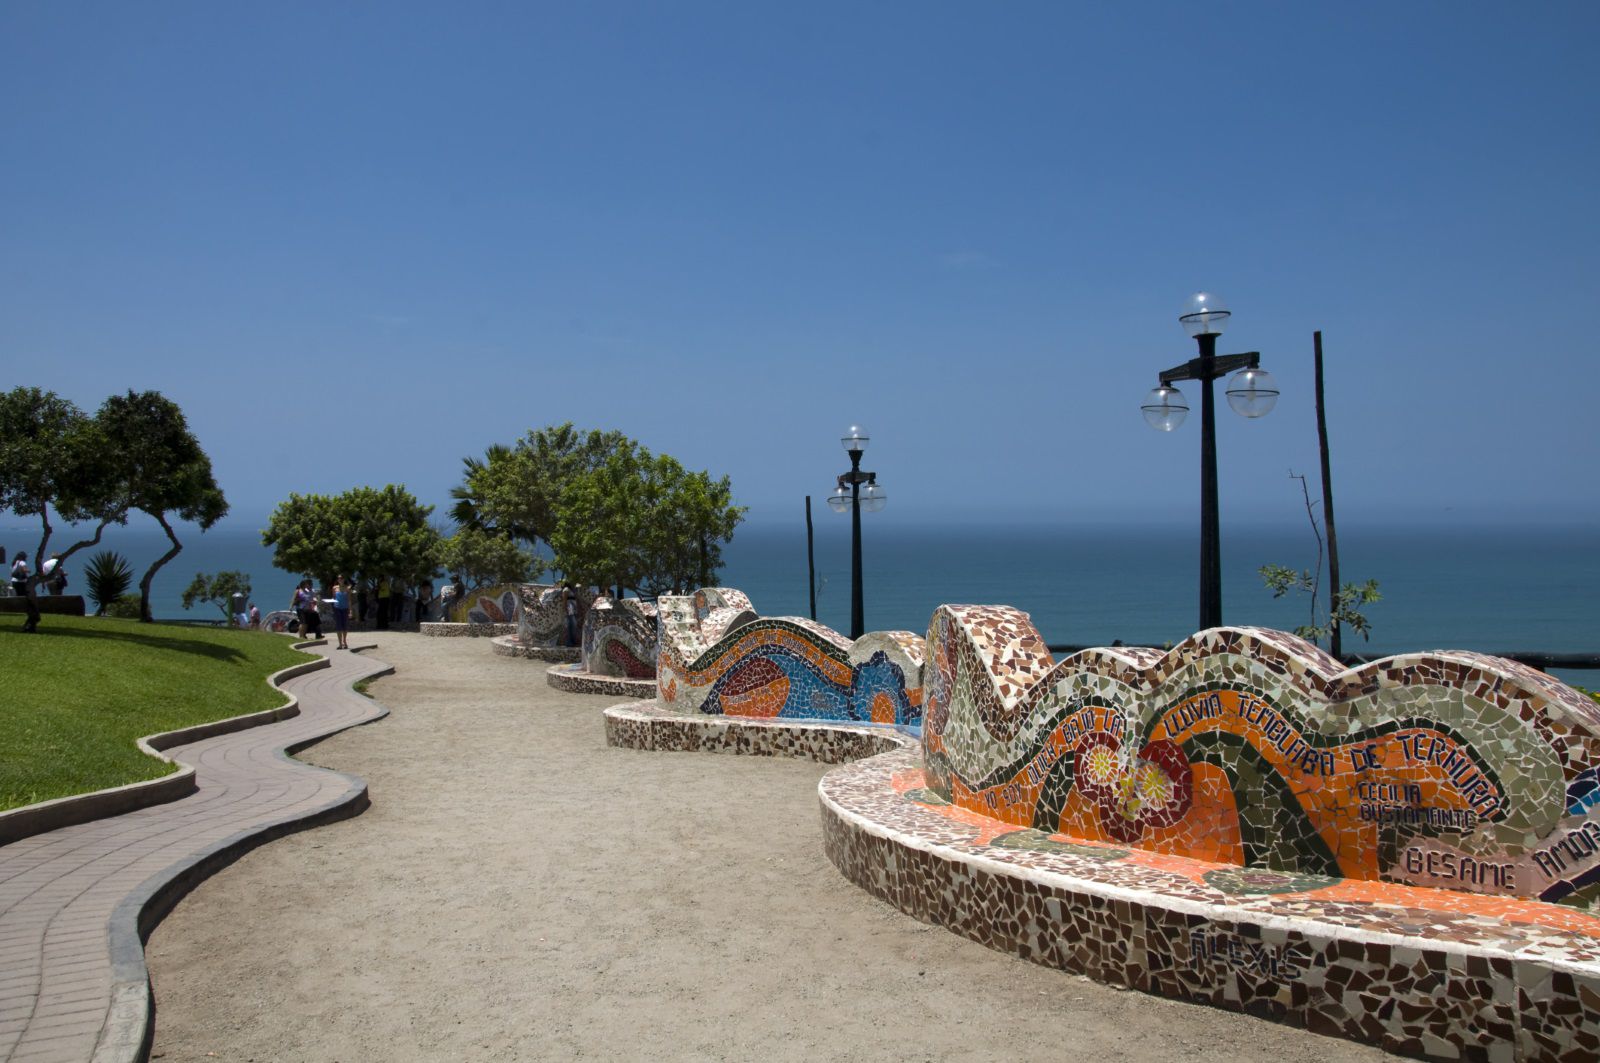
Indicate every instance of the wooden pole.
{"type": "Point", "coordinates": [811, 562]}
{"type": "Point", "coordinates": [1334, 643]}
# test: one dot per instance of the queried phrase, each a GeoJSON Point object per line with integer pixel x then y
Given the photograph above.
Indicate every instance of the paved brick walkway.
{"type": "Point", "coordinates": [76, 903]}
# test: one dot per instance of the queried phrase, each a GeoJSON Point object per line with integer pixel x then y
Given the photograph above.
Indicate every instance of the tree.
{"type": "Point", "coordinates": [218, 589]}
{"type": "Point", "coordinates": [162, 469]}
{"type": "Point", "coordinates": [516, 490]}
{"type": "Point", "coordinates": [483, 559]}
{"type": "Point", "coordinates": [363, 533]}
{"type": "Point", "coordinates": [467, 508]}
{"type": "Point", "coordinates": [106, 577]}
{"type": "Point", "coordinates": [54, 457]}
{"type": "Point", "coordinates": [642, 522]}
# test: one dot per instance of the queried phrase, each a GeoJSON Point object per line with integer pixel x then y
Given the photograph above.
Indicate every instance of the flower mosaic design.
{"type": "Point", "coordinates": [489, 610]}
{"type": "Point", "coordinates": [1154, 790]}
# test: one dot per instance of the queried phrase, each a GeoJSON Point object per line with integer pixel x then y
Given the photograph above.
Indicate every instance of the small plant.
{"type": "Point", "coordinates": [218, 590]}
{"type": "Point", "coordinates": [107, 577]}
{"type": "Point", "coordinates": [124, 607]}
{"type": "Point", "coordinates": [1346, 603]}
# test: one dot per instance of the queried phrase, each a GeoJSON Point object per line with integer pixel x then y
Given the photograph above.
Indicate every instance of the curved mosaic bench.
{"type": "Point", "coordinates": [716, 657]}
{"type": "Point", "coordinates": [619, 638]}
{"type": "Point", "coordinates": [542, 620]}
{"type": "Point", "coordinates": [1253, 747]}
{"type": "Point", "coordinates": [619, 652]}
{"type": "Point", "coordinates": [1369, 852]}
{"type": "Point", "coordinates": [1423, 972]}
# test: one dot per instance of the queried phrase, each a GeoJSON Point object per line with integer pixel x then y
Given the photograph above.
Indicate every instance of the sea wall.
{"type": "Point", "coordinates": [717, 657]}
{"type": "Point", "coordinates": [1254, 748]}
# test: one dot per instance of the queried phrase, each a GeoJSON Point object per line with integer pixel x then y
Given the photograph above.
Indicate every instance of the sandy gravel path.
{"type": "Point", "coordinates": [518, 890]}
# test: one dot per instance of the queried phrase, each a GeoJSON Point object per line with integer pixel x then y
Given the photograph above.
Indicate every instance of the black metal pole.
{"type": "Point", "coordinates": [1210, 533]}
{"type": "Point", "coordinates": [811, 561]}
{"type": "Point", "coordinates": [857, 623]}
{"type": "Point", "coordinates": [1334, 642]}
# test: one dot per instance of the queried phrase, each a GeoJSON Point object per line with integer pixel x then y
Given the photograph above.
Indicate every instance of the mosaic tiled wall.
{"type": "Point", "coordinates": [486, 605]}
{"type": "Point", "coordinates": [716, 656]}
{"type": "Point", "coordinates": [542, 616]}
{"type": "Point", "coordinates": [1254, 748]}
{"type": "Point", "coordinates": [619, 639]}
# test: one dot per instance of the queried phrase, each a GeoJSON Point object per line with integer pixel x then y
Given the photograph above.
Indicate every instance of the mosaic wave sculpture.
{"type": "Point", "coordinates": [542, 616]}
{"type": "Point", "coordinates": [619, 639]}
{"type": "Point", "coordinates": [1252, 747]}
{"type": "Point", "coordinates": [717, 657]}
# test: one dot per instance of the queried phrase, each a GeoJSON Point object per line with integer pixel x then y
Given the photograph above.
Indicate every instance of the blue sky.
{"type": "Point", "coordinates": [359, 242]}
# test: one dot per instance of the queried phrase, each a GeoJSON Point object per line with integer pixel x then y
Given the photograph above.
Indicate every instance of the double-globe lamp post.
{"type": "Point", "coordinates": [1251, 392]}
{"type": "Point", "coordinates": [871, 498]}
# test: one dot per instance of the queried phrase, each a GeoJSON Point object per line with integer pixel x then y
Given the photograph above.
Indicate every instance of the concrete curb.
{"type": "Point", "coordinates": [129, 1030]}
{"type": "Point", "coordinates": [25, 822]}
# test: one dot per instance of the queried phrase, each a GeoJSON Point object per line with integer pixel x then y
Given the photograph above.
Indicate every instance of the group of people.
{"type": "Point", "coordinates": [55, 574]}
{"type": "Point", "coordinates": [307, 605]}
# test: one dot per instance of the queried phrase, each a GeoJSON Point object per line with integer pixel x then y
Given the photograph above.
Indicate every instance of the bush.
{"type": "Point", "coordinates": [107, 577]}
{"type": "Point", "coordinates": [125, 607]}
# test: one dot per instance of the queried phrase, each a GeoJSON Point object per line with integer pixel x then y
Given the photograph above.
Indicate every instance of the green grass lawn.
{"type": "Point", "coordinates": [75, 697]}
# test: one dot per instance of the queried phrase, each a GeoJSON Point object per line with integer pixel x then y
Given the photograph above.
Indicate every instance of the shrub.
{"type": "Point", "coordinates": [126, 607]}
{"type": "Point", "coordinates": [107, 577]}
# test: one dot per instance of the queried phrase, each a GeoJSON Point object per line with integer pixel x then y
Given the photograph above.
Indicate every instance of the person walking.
{"type": "Point", "coordinates": [19, 574]}
{"type": "Point", "coordinates": [341, 611]}
{"type": "Point", "coordinates": [302, 604]}
{"type": "Point", "coordinates": [572, 616]}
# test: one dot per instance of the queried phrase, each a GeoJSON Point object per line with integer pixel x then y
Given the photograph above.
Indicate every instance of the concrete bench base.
{"type": "Point", "coordinates": [509, 646]}
{"type": "Point", "coordinates": [645, 725]}
{"type": "Point", "coordinates": [572, 679]}
{"type": "Point", "coordinates": [1435, 974]}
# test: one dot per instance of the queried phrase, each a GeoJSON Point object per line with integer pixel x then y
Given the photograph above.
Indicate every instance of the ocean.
{"type": "Point", "coordinates": [1489, 589]}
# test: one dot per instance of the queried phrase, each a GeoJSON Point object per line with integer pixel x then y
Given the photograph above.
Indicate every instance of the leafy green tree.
{"type": "Point", "coordinates": [106, 577]}
{"type": "Point", "coordinates": [466, 507]}
{"type": "Point", "coordinates": [53, 457]}
{"type": "Point", "coordinates": [162, 468]}
{"type": "Point", "coordinates": [516, 490]}
{"type": "Point", "coordinates": [641, 522]}
{"type": "Point", "coordinates": [218, 589]}
{"type": "Point", "coordinates": [483, 559]}
{"type": "Point", "coordinates": [365, 533]}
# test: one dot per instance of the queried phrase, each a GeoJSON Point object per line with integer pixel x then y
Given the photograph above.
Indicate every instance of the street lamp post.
{"type": "Point", "coordinates": [871, 498]}
{"type": "Point", "coordinates": [1251, 392]}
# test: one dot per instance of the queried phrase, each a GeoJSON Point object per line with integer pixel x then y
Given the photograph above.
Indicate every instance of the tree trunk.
{"type": "Point", "coordinates": [36, 580]}
{"type": "Point", "coordinates": [149, 577]}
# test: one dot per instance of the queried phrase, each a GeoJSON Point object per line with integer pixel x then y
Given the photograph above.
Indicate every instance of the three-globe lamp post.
{"type": "Point", "coordinates": [1251, 392]}
{"type": "Point", "coordinates": [856, 490]}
